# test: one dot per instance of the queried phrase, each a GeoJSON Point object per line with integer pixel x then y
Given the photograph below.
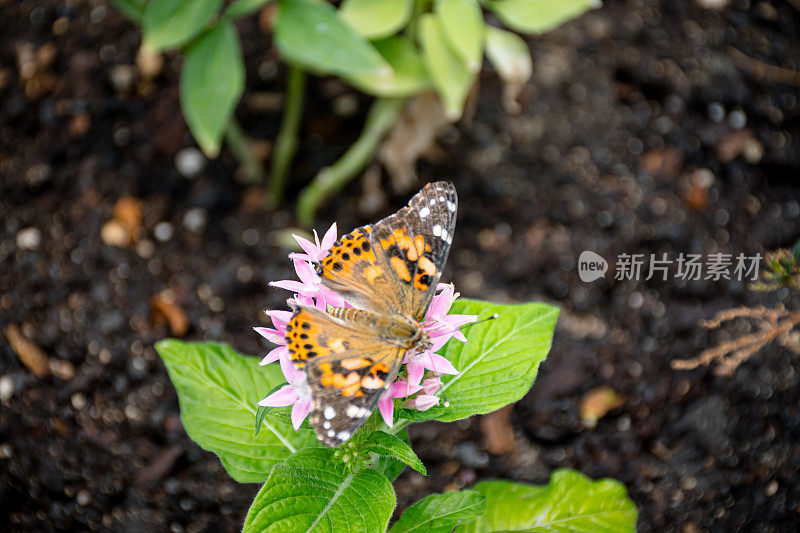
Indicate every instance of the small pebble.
{"type": "Point", "coordinates": [29, 238]}
{"type": "Point", "coordinates": [84, 498]}
{"type": "Point", "coordinates": [6, 388]}
{"type": "Point", "coordinates": [78, 401]}
{"type": "Point", "coordinates": [122, 77]}
{"type": "Point", "coordinates": [190, 162]}
{"type": "Point", "coordinates": [737, 119]}
{"type": "Point", "coordinates": [163, 231]}
{"type": "Point", "coordinates": [716, 112]}
{"type": "Point", "coordinates": [195, 219]}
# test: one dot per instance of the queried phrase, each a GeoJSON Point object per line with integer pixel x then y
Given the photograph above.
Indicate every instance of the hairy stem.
{"type": "Point", "coordinates": [330, 180]}
{"type": "Point", "coordinates": [287, 140]}
{"type": "Point", "coordinates": [239, 143]}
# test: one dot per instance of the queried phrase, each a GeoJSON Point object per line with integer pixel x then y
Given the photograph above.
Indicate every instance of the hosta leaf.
{"type": "Point", "coordinates": [449, 73]}
{"type": "Point", "coordinates": [408, 74]}
{"type": "Point", "coordinates": [313, 491]}
{"type": "Point", "coordinates": [171, 23]}
{"type": "Point", "coordinates": [212, 81]}
{"type": "Point", "coordinates": [538, 16]}
{"type": "Point", "coordinates": [240, 8]}
{"type": "Point", "coordinates": [311, 33]}
{"type": "Point", "coordinates": [375, 20]}
{"type": "Point", "coordinates": [462, 21]}
{"type": "Point", "coordinates": [571, 502]}
{"type": "Point", "coordinates": [440, 513]}
{"type": "Point", "coordinates": [390, 446]}
{"type": "Point", "coordinates": [500, 360]}
{"type": "Point", "coordinates": [218, 390]}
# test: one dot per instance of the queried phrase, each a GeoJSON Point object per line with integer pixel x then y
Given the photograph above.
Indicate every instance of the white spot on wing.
{"type": "Point", "coordinates": [451, 206]}
{"type": "Point", "coordinates": [441, 198]}
{"type": "Point", "coordinates": [343, 435]}
{"type": "Point", "coordinates": [353, 411]}
{"type": "Point", "coordinates": [425, 211]}
{"type": "Point", "coordinates": [437, 230]}
{"type": "Point", "coordinates": [331, 433]}
{"type": "Point", "coordinates": [444, 235]}
{"type": "Point", "coordinates": [433, 201]}
{"type": "Point", "coordinates": [326, 425]}
{"type": "Point", "coordinates": [329, 412]}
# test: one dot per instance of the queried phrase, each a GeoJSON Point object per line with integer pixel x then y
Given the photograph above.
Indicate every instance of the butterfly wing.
{"type": "Point", "coordinates": [394, 266]}
{"type": "Point", "coordinates": [413, 244]}
{"type": "Point", "coordinates": [348, 368]}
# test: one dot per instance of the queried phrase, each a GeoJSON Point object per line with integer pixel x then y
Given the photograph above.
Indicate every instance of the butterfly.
{"type": "Point", "coordinates": [388, 271]}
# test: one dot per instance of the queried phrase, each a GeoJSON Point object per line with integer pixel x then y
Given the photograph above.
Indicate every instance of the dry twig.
{"type": "Point", "coordinates": [773, 324]}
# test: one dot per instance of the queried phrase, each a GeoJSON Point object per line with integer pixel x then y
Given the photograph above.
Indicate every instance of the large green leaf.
{"type": "Point", "coordinates": [389, 445]}
{"type": "Point", "coordinates": [571, 502]}
{"type": "Point", "coordinates": [212, 81]}
{"type": "Point", "coordinates": [313, 491]}
{"type": "Point", "coordinates": [450, 74]}
{"type": "Point", "coordinates": [375, 20]}
{"type": "Point", "coordinates": [311, 33]}
{"type": "Point", "coordinates": [218, 390]}
{"type": "Point", "coordinates": [464, 29]}
{"type": "Point", "coordinates": [538, 16]}
{"type": "Point", "coordinates": [171, 23]}
{"type": "Point", "coordinates": [408, 74]}
{"type": "Point", "coordinates": [499, 363]}
{"type": "Point", "coordinates": [440, 513]}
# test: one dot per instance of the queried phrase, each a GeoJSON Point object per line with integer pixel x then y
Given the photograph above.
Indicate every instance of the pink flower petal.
{"type": "Point", "coordinates": [272, 335]}
{"type": "Point", "coordinates": [423, 402]}
{"type": "Point", "coordinates": [386, 407]}
{"type": "Point", "coordinates": [308, 247]}
{"type": "Point", "coordinates": [437, 363]}
{"type": "Point", "coordinates": [438, 341]}
{"type": "Point", "coordinates": [330, 297]}
{"type": "Point", "coordinates": [291, 285]}
{"type": "Point", "coordinates": [279, 317]}
{"type": "Point", "coordinates": [300, 411]}
{"type": "Point", "coordinates": [401, 389]}
{"type": "Point", "coordinates": [287, 395]}
{"type": "Point", "coordinates": [415, 372]}
{"type": "Point", "coordinates": [274, 355]}
{"type": "Point", "coordinates": [328, 239]}
{"type": "Point", "coordinates": [292, 374]}
{"type": "Point", "coordinates": [431, 385]}
{"type": "Point", "coordinates": [306, 274]}
{"type": "Point", "coordinates": [441, 302]}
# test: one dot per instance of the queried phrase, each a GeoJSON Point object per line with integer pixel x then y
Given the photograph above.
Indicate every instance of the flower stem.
{"type": "Point", "coordinates": [330, 180]}
{"type": "Point", "coordinates": [239, 143]}
{"type": "Point", "coordinates": [287, 140]}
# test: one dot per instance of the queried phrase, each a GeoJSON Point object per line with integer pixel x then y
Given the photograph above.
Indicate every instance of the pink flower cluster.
{"type": "Point", "coordinates": [421, 379]}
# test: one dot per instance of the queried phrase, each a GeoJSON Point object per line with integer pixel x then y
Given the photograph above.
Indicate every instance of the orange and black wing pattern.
{"type": "Point", "coordinates": [347, 365]}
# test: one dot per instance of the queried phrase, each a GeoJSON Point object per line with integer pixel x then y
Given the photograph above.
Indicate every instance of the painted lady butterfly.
{"type": "Point", "coordinates": [389, 272]}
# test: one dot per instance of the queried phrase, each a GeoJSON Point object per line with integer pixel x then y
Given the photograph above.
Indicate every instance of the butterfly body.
{"type": "Point", "coordinates": [388, 271]}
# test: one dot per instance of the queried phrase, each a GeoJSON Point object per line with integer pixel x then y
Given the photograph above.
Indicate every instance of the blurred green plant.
{"type": "Point", "coordinates": [782, 269]}
{"type": "Point", "coordinates": [389, 49]}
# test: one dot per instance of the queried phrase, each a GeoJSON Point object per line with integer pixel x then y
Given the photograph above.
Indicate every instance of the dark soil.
{"type": "Point", "coordinates": [625, 106]}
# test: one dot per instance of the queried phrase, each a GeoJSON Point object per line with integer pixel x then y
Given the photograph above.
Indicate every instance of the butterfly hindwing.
{"type": "Point", "coordinates": [347, 365]}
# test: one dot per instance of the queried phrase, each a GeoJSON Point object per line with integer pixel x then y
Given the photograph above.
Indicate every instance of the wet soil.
{"type": "Point", "coordinates": [642, 131]}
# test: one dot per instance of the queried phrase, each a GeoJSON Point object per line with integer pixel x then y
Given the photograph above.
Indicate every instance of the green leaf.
{"type": "Point", "coordinates": [132, 9]}
{"type": "Point", "coordinates": [262, 410]}
{"type": "Point", "coordinates": [571, 502]}
{"type": "Point", "coordinates": [313, 491]}
{"type": "Point", "coordinates": [440, 513]}
{"type": "Point", "coordinates": [500, 361]}
{"type": "Point", "coordinates": [218, 390]}
{"type": "Point", "coordinates": [171, 23]}
{"type": "Point", "coordinates": [310, 33]}
{"type": "Point", "coordinates": [212, 81]}
{"type": "Point", "coordinates": [462, 21]}
{"type": "Point", "coordinates": [449, 73]}
{"type": "Point", "coordinates": [390, 466]}
{"type": "Point", "coordinates": [390, 446]}
{"type": "Point", "coordinates": [539, 16]}
{"type": "Point", "coordinates": [408, 74]}
{"type": "Point", "coordinates": [375, 20]}
{"type": "Point", "coordinates": [241, 8]}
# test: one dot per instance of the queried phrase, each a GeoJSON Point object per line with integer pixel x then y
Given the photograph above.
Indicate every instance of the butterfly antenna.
{"type": "Point", "coordinates": [465, 326]}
